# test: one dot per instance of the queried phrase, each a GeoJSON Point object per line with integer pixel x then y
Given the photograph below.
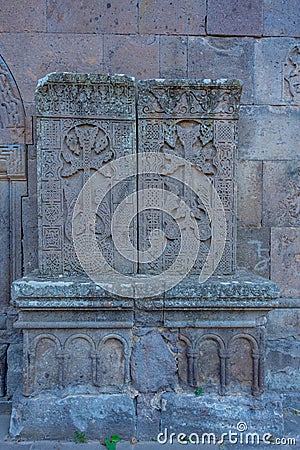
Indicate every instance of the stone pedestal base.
{"type": "Point", "coordinates": [107, 365]}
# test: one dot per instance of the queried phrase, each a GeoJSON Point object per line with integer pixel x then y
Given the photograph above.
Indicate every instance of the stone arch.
{"type": "Point", "coordinates": [246, 336]}
{"type": "Point", "coordinates": [45, 364]}
{"type": "Point", "coordinates": [79, 352]}
{"type": "Point", "coordinates": [244, 363]}
{"type": "Point", "coordinates": [210, 368]}
{"type": "Point", "coordinates": [113, 362]}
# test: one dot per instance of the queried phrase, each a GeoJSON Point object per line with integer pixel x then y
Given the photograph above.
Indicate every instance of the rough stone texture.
{"type": "Point", "coordinates": [14, 374]}
{"type": "Point", "coordinates": [4, 221]}
{"type": "Point", "coordinates": [271, 63]}
{"type": "Point", "coordinates": [282, 178]}
{"type": "Point", "coordinates": [283, 355]}
{"type": "Point", "coordinates": [269, 133]}
{"type": "Point", "coordinates": [94, 17]}
{"type": "Point", "coordinates": [30, 52]}
{"type": "Point", "coordinates": [176, 17]}
{"type": "Point", "coordinates": [291, 405]}
{"type": "Point", "coordinates": [53, 53]}
{"type": "Point", "coordinates": [253, 250]}
{"type": "Point", "coordinates": [213, 57]}
{"type": "Point", "coordinates": [283, 361]}
{"type": "Point", "coordinates": [281, 18]}
{"type": "Point", "coordinates": [153, 367]}
{"type": "Point", "coordinates": [136, 54]}
{"type": "Point", "coordinates": [25, 16]}
{"type": "Point", "coordinates": [173, 56]}
{"type": "Point", "coordinates": [79, 344]}
{"type": "Point", "coordinates": [207, 414]}
{"type": "Point", "coordinates": [97, 416]}
{"type": "Point", "coordinates": [235, 18]}
{"type": "Point", "coordinates": [283, 323]}
{"type": "Point", "coordinates": [249, 188]}
{"type": "Point", "coordinates": [148, 415]}
{"type": "Point", "coordinates": [285, 260]}
{"type": "Point", "coordinates": [241, 287]}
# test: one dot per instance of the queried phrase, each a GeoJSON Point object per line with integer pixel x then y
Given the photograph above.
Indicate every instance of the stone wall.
{"type": "Point", "coordinates": [257, 41]}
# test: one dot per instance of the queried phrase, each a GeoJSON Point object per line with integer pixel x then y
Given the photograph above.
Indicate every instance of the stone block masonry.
{"type": "Point", "coordinates": [255, 41]}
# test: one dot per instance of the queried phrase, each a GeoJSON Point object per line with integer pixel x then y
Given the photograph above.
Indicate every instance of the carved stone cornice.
{"type": "Point", "coordinates": [86, 95]}
{"type": "Point", "coordinates": [189, 98]}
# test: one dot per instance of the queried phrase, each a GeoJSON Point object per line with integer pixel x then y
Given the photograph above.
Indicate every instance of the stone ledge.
{"type": "Point", "coordinates": [240, 290]}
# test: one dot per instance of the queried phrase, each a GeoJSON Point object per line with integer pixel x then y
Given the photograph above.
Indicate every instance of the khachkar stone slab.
{"type": "Point", "coordinates": [195, 120]}
{"type": "Point", "coordinates": [84, 122]}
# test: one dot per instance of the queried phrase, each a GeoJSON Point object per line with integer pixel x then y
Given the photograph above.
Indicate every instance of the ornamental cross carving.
{"type": "Point", "coordinates": [190, 119]}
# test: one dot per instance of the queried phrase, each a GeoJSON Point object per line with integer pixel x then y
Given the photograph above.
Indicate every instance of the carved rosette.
{"type": "Point", "coordinates": [195, 120]}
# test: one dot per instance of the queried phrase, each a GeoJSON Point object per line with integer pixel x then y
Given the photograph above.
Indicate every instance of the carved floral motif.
{"type": "Point", "coordinates": [292, 74]}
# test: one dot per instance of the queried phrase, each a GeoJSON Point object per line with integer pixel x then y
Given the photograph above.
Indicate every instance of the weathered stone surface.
{"type": "Point", "coordinates": [153, 367]}
{"type": "Point", "coordinates": [149, 318]}
{"type": "Point", "coordinates": [148, 415]}
{"type": "Point", "coordinates": [269, 133]}
{"type": "Point", "coordinates": [176, 17]}
{"type": "Point", "coordinates": [253, 250]}
{"type": "Point", "coordinates": [276, 69]}
{"type": "Point", "coordinates": [291, 405]}
{"type": "Point", "coordinates": [4, 239]}
{"type": "Point", "coordinates": [285, 260]}
{"type": "Point", "coordinates": [14, 372]}
{"type": "Point", "coordinates": [51, 417]}
{"type": "Point", "coordinates": [92, 16]}
{"type": "Point", "coordinates": [281, 18]}
{"type": "Point", "coordinates": [212, 414]}
{"type": "Point", "coordinates": [27, 16]}
{"type": "Point", "coordinates": [281, 187]}
{"type": "Point", "coordinates": [225, 361]}
{"type": "Point", "coordinates": [291, 88]}
{"type": "Point", "coordinates": [217, 57]}
{"type": "Point", "coordinates": [80, 292]}
{"type": "Point", "coordinates": [136, 55]}
{"type": "Point", "coordinates": [283, 323]}
{"type": "Point", "coordinates": [241, 287]}
{"type": "Point", "coordinates": [173, 56]}
{"type": "Point", "coordinates": [283, 361]}
{"type": "Point", "coordinates": [234, 18]}
{"type": "Point", "coordinates": [249, 188]}
{"type": "Point", "coordinates": [53, 52]}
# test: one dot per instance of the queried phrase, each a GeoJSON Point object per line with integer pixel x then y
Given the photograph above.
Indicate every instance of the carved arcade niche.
{"type": "Point", "coordinates": [86, 121]}
{"type": "Point", "coordinates": [222, 361]}
{"type": "Point", "coordinates": [56, 361]}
